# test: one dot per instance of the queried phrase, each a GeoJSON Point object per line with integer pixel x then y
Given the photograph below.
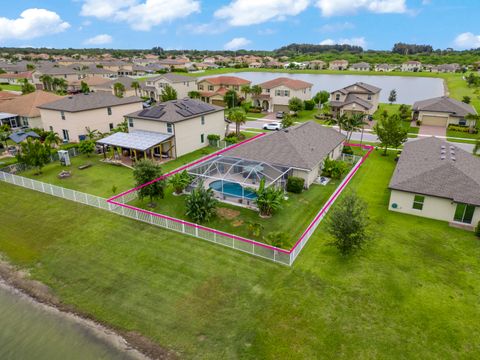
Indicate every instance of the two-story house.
{"type": "Point", "coordinates": [153, 86]}
{"type": "Point", "coordinates": [338, 65]}
{"type": "Point", "coordinates": [213, 89]}
{"type": "Point", "coordinates": [358, 98]}
{"type": "Point", "coordinates": [277, 93]}
{"type": "Point", "coordinates": [412, 65]}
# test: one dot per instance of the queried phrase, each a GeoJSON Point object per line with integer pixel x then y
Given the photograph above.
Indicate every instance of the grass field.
{"type": "Point", "coordinates": [11, 87]}
{"type": "Point", "coordinates": [412, 293]}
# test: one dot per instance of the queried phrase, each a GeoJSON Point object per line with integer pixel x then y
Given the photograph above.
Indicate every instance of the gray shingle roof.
{"type": "Point", "coordinates": [444, 104]}
{"type": "Point", "coordinates": [422, 170]}
{"type": "Point", "coordinates": [176, 110]}
{"type": "Point", "coordinates": [368, 89]}
{"type": "Point", "coordinates": [174, 78]}
{"type": "Point", "coordinates": [302, 146]}
{"type": "Point", "coordinates": [82, 102]}
{"type": "Point", "coordinates": [351, 98]}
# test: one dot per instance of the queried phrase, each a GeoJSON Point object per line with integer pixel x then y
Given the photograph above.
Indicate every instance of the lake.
{"type": "Point", "coordinates": [30, 330]}
{"type": "Point", "coordinates": [409, 88]}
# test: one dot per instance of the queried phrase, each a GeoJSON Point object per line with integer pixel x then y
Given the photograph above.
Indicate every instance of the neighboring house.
{"type": "Point", "coordinates": [361, 66]}
{"type": "Point", "coordinates": [20, 136]}
{"type": "Point", "coordinates": [24, 109]}
{"type": "Point", "coordinates": [92, 82]}
{"type": "Point", "coordinates": [274, 64]}
{"type": "Point", "coordinates": [317, 65]}
{"type": "Point", "coordinates": [338, 65]}
{"type": "Point", "coordinates": [71, 73]}
{"type": "Point", "coordinates": [213, 89]}
{"type": "Point", "coordinates": [124, 80]}
{"type": "Point", "coordinates": [445, 68]}
{"type": "Point", "coordinates": [359, 98]}
{"type": "Point", "coordinates": [15, 79]}
{"type": "Point", "coordinates": [414, 66]}
{"type": "Point", "coordinates": [7, 95]}
{"type": "Point", "coordinates": [153, 86]}
{"type": "Point", "coordinates": [175, 63]}
{"type": "Point", "coordinates": [301, 148]}
{"type": "Point", "coordinates": [185, 124]}
{"type": "Point", "coordinates": [277, 93]}
{"type": "Point", "coordinates": [102, 111]}
{"type": "Point", "coordinates": [442, 111]}
{"type": "Point", "coordinates": [384, 67]}
{"type": "Point", "coordinates": [437, 180]}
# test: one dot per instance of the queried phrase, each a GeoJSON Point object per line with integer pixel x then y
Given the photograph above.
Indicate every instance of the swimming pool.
{"type": "Point", "coordinates": [232, 189]}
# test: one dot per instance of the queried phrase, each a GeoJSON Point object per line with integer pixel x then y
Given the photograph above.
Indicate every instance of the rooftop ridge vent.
{"type": "Point", "coordinates": [442, 157]}
{"type": "Point", "coordinates": [453, 158]}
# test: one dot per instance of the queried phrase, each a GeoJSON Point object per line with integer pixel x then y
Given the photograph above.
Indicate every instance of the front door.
{"type": "Point", "coordinates": [464, 213]}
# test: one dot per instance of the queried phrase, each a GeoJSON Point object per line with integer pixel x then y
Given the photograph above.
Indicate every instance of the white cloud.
{"type": "Point", "coordinates": [249, 12]}
{"type": "Point", "coordinates": [99, 40]}
{"type": "Point", "coordinates": [356, 41]}
{"type": "Point", "coordinates": [336, 27]}
{"type": "Point", "coordinates": [467, 40]}
{"type": "Point", "coordinates": [205, 28]}
{"type": "Point", "coordinates": [140, 15]}
{"type": "Point", "coordinates": [32, 23]}
{"type": "Point", "coordinates": [236, 43]}
{"type": "Point", "coordinates": [342, 7]}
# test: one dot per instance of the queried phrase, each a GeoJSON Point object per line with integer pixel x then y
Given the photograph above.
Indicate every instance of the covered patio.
{"type": "Point", "coordinates": [137, 145]}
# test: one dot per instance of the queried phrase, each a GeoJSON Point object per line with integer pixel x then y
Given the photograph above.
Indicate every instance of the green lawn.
{"type": "Point", "coordinates": [11, 87]}
{"type": "Point", "coordinates": [393, 109]}
{"type": "Point", "coordinates": [461, 134]}
{"type": "Point", "coordinates": [412, 293]}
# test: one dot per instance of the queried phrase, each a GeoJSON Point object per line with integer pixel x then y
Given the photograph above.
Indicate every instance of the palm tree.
{"type": "Point", "coordinates": [339, 121]}
{"type": "Point", "coordinates": [246, 90]}
{"type": "Point", "coordinates": [118, 89]}
{"type": "Point", "coordinates": [92, 134]}
{"type": "Point", "coordinates": [46, 81]}
{"type": "Point", "coordinates": [269, 199]}
{"type": "Point", "coordinates": [136, 86]}
{"type": "Point", "coordinates": [353, 123]}
{"type": "Point", "coordinates": [474, 119]}
{"type": "Point", "coordinates": [256, 90]}
{"type": "Point", "coordinates": [194, 94]}
{"type": "Point", "coordinates": [52, 138]}
{"type": "Point", "coordinates": [59, 84]}
{"type": "Point", "coordinates": [239, 118]}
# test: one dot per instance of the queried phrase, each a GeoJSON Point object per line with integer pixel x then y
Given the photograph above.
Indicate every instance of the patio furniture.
{"type": "Point", "coordinates": [64, 174]}
{"type": "Point", "coordinates": [84, 166]}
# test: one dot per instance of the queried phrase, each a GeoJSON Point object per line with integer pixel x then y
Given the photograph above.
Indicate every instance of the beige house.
{"type": "Point", "coordinates": [15, 79]}
{"type": "Point", "coordinates": [317, 64]}
{"type": "Point", "coordinates": [188, 122]}
{"type": "Point", "coordinates": [338, 65]}
{"type": "Point", "coordinates": [361, 66]}
{"type": "Point", "coordinates": [109, 86]}
{"type": "Point", "coordinates": [412, 65]}
{"type": "Point", "coordinates": [153, 86]}
{"type": "Point", "coordinates": [277, 93]}
{"type": "Point", "coordinates": [384, 67]}
{"type": "Point", "coordinates": [442, 111]}
{"type": "Point", "coordinates": [437, 180]}
{"type": "Point", "coordinates": [213, 89]}
{"type": "Point", "coordinates": [358, 98]}
{"type": "Point", "coordinates": [71, 115]}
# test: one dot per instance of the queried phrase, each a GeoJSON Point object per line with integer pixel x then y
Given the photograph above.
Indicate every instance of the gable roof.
{"type": "Point", "coordinates": [27, 105]}
{"type": "Point", "coordinates": [176, 110]}
{"type": "Point", "coordinates": [367, 89]}
{"type": "Point", "coordinates": [444, 104]}
{"type": "Point", "coordinates": [226, 80]}
{"type": "Point", "coordinates": [173, 78]}
{"type": "Point", "coordinates": [350, 99]}
{"type": "Point", "coordinates": [90, 101]}
{"type": "Point", "coordinates": [302, 146]}
{"type": "Point", "coordinates": [287, 82]}
{"type": "Point", "coordinates": [435, 167]}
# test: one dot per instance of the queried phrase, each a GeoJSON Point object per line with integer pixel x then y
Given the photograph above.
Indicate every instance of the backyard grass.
{"type": "Point", "coordinates": [461, 134]}
{"type": "Point", "coordinates": [412, 293]}
{"type": "Point", "coordinates": [11, 87]}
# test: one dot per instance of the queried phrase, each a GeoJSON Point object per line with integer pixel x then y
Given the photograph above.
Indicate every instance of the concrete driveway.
{"type": "Point", "coordinates": [432, 130]}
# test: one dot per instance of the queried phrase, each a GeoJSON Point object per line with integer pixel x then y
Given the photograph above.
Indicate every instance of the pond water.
{"type": "Point", "coordinates": [409, 88]}
{"type": "Point", "coordinates": [33, 331]}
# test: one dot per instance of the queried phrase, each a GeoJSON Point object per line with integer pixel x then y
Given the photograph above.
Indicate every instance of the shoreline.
{"type": "Point", "coordinates": [135, 345]}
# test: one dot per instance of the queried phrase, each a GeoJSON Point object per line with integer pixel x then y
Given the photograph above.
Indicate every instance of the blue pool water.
{"type": "Point", "coordinates": [232, 189]}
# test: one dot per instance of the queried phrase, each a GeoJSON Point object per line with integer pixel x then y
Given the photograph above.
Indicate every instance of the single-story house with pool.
{"type": "Point", "coordinates": [442, 111]}
{"type": "Point", "coordinates": [437, 180]}
{"type": "Point", "coordinates": [296, 151]}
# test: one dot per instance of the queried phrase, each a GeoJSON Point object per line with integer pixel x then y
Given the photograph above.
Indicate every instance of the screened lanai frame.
{"type": "Point", "coordinates": [246, 173]}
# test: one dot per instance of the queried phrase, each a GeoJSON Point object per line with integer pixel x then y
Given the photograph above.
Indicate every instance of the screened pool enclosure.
{"type": "Point", "coordinates": [236, 180]}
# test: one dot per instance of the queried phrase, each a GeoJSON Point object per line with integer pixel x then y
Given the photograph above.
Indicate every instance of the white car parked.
{"type": "Point", "coordinates": [272, 126]}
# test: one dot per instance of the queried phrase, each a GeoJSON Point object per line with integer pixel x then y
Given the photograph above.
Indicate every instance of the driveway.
{"type": "Point", "coordinates": [432, 130]}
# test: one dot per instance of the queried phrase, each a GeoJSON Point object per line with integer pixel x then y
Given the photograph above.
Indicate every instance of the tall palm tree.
{"type": "Point", "coordinates": [118, 89]}
{"type": "Point", "coordinates": [46, 81]}
{"type": "Point", "coordinates": [52, 138]}
{"type": "Point", "coordinates": [136, 86]}
{"type": "Point", "coordinates": [239, 118]}
{"type": "Point", "coordinates": [256, 90]}
{"type": "Point", "coordinates": [59, 84]}
{"type": "Point", "coordinates": [269, 199]}
{"type": "Point", "coordinates": [354, 122]}
{"type": "Point", "coordinates": [246, 90]}
{"type": "Point", "coordinates": [340, 121]}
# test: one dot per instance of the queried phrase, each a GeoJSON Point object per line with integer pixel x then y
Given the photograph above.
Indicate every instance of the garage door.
{"type": "Point", "coordinates": [218, 102]}
{"type": "Point", "coordinates": [434, 120]}
{"type": "Point", "coordinates": [277, 107]}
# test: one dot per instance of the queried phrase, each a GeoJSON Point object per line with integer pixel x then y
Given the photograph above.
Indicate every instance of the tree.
{"type": "Point", "coordinates": [287, 121]}
{"type": "Point", "coordinates": [278, 239]}
{"type": "Point", "coordinates": [390, 132]}
{"type": "Point", "coordinates": [144, 172]}
{"type": "Point", "coordinates": [118, 89]}
{"type": "Point", "coordinates": [256, 90]}
{"type": "Point", "coordinates": [5, 134]}
{"type": "Point", "coordinates": [466, 99]}
{"type": "Point", "coordinates": [122, 127]}
{"type": "Point", "coordinates": [30, 67]}
{"type": "Point", "coordinates": [87, 147]}
{"type": "Point", "coordinates": [168, 93]}
{"type": "Point", "coordinates": [27, 88]}
{"type": "Point", "coordinates": [84, 87]}
{"type": "Point", "coordinates": [201, 204]}
{"type": "Point", "coordinates": [92, 134]}
{"type": "Point", "coordinates": [46, 81]}
{"type": "Point", "coordinates": [52, 138]}
{"type": "Point", "coordinates": [347, 223]}
{"type": "Point", "coordinates": [352, 123]}
{"type": "Point", "coordinates": [135, 86]}
{"type": "Point", "coordinates": [59, 85]}
{"type": "Point", "coordinates": [254, 228]}
{"type": "Point", "coordinates": [321, 98]}
{"type": "Point", "coordinates": [269, 199]}
{"type": "Point", "coordinates": [392, 97]}
{"type": "Point", "coordinates": [245, 89]}
{"type": "Point", "coordinates": [194, 94]}
{"type": "Point", "coordinates": [34, 153]}
{"type": "Point", "coordinates": [238, 117]}
{"type": "Point", "coordinates": [295, 105]}
{"type": "Point", "coordinates": [404, 112]}
{"type": "Point", "coordinates": [179, 181]}
{"type": "Point", "coordinates": [231, 98]}
{"type": "Point", "coordinates": [339, 121]}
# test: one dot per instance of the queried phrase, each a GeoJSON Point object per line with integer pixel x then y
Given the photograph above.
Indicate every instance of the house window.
{"type": "Point", "coordinates": [66, 137]}
{"type": "Point", "coordinates": [286, 92]}
{"type": "Point", "coordinates": [277, 93]}
{"type": "Point", "coordinates": [202, 138]}
{"type": "Point", "coordinates": [110, 126]}
{"type": "Point", "coordinates": [109, 110]}
{"type": "Point", "coordinates": [268, 91]}
{"type": "Point", "coordinates": [337, 97]}
{"type": "Point", "coordinates": [369, 97]}
{"type": "Point", "coordinates": [62, 114]}
{"type": "Point", "coordinates": [130, 122]}
{"type": "Point", "coordinates": [235, 88]}
{"type": "Point", "coordinates": [210, 87]}
{"type": "Point", "coordinates": [169, 128]}
{"type": "Point", "coordinates": [203, 120]}
{"type": "Point", "coordinates": [462, 122]}
{"type": "Point", "coordinates": [200, 87]}
{"type": "Point", "coordinates": [418, 201]}
{"type": "Point", "coordinates": [464, 213]}
{"type": "Point", "coordinates": [50, 128]}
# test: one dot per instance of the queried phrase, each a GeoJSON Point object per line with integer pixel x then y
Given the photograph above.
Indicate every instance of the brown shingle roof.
{"type": "Point", "coordinates": [284, 81]}
{"type": "Point", "coordinates": [27, 105]}
{"type": "Point", "coordinates": [83, 102]}
{"type": "Point", "coordinates": [444, 104]}
{"type": "Point", "coordinates": [434, 167]}
{"type": "Point", "coordinates": [302, 146]}
{"type": "Point", "coordinates": [227, 80]}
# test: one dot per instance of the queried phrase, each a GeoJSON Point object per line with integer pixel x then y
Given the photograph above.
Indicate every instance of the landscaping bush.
{"type": "Point", "coordinates": [462, 128]}
{"type": "Point", "coordinates": [255, 110]}
{"type": "Point", "coordinates": [347, 150]}
{"type": "Point", "coordinates": [477, 230]}
{"type": "Point", "coordinates": [334, 168]}
{"type": "Point", "coordinates": [419, 123]}
{"type": "Point", "coordinates": [213, 139]}
{"type": "Point", "coordinates": [295, 184]}
{"type": "Point", "coordinates": [277, 238]}
{"type": "Point", "coordinates": [309, 104]}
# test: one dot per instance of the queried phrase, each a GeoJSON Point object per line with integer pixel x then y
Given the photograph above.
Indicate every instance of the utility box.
{"type": "Point", "coordinates": [64, 157]}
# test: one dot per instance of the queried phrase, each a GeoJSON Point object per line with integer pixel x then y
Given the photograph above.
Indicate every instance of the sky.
{"type": "Point", "coordinates": [239, 24]}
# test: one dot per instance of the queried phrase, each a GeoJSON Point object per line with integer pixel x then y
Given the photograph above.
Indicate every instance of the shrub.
{"type": "Point", "coordinates": [179, 181]}
{"type": "Point", "coordinates": [255, 110]}
{"type": "Point", "coordinates": [277, 238]}
{"type": "Point", "coordinates": [295, 184]}
{"type": "Point", "coordinates": [477, 230]}
{"type": "Point", "coordinates": [462, 128]}
{"type": "Point", "coordinates": [347, 150]}
{"type": "Point", "coordinates": [334, 168]}
{"type": "Point", "coordinates": [419, 123]}
{"type": "Point", "coordinates": [201, 204]}
{"type": "Point", "coordinates": [213, 139]}
{"type": "Point", "coordinates": [309, 104]}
